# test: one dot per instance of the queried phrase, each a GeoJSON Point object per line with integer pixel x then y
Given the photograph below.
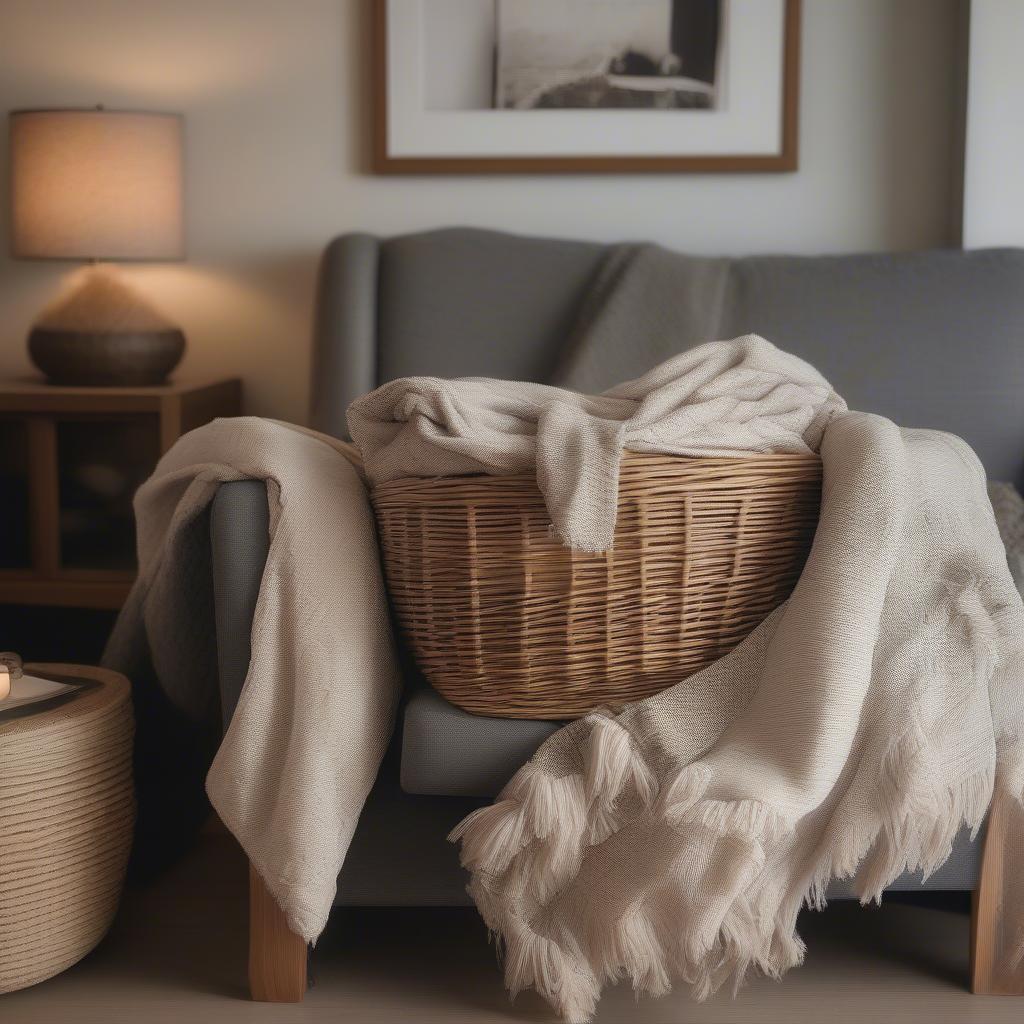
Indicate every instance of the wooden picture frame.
{"type": "Point", "coordinates": [786, 159]}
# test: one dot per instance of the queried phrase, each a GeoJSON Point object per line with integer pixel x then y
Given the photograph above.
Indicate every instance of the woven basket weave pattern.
{"type": "Point", "coordinates": [66, 814]}
{"type": "Point", "coordinates": [504, 620]}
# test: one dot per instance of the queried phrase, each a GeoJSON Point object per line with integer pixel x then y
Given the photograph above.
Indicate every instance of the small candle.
{"type": "Point", "coordinates": [10, 668]}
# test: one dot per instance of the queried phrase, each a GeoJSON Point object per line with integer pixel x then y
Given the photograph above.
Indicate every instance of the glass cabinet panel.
{"type": "Point", "coordinates": [100, 465]}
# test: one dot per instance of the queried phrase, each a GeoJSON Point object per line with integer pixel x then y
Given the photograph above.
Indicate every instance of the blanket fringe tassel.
{"type": "Point", "coordinates": [529, 845]}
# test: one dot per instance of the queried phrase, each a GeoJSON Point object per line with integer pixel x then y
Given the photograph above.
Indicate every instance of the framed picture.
{"type": "Point", "coordinates": [534, 86]}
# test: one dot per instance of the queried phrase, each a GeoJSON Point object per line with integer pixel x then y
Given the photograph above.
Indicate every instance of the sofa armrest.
{"type": "Point", "coordinates": [239, 541]}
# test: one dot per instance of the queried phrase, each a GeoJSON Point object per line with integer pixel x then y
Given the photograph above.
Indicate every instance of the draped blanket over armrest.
{"type": "Point", "coordinates": [674, 840]}
{"type": "Point", "coordinates": [317, 709]}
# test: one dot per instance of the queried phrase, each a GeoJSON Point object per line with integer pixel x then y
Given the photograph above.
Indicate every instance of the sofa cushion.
{"type": "Point", "coordinates": [448, 752]}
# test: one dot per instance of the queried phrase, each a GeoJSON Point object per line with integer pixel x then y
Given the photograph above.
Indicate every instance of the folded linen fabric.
{"type": "Point", "coordinates": [719, 398]}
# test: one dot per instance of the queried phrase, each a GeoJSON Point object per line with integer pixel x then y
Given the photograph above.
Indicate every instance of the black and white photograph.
{"type": "Point", "coordinates": [686, 83]}
{"type": "Point", "coordinates": [608, 54]}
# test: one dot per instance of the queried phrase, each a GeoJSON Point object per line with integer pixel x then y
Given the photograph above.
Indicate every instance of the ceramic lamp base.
{"type": "Point", "coordinates": [105, 334]}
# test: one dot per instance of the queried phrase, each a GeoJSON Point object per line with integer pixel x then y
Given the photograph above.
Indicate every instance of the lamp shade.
{"type": "Point", "coordinates": [96, 184]}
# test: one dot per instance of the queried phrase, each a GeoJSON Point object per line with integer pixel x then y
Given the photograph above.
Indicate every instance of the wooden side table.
{"type": "Point", "coordinates": [67, 808]}
{"type": "Point", "coordinates": [71, 458]}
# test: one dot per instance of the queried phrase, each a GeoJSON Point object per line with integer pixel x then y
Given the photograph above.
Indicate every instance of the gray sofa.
{"type": "Point", "coordinates": [930, 339]}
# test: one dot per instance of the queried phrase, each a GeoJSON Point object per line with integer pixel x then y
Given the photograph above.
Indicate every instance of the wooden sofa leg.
{"type": "Point", "coordinates": [277, 956]}
{"type": "Point", "coordinates": [987, 977]}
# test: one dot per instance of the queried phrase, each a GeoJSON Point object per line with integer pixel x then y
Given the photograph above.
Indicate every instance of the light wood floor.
{"type": "Point", "coordinates": [177, 954]}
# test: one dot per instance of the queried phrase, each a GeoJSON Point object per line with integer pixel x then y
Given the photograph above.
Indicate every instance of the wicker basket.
{"type": "Point", "coordinates": [504, 620]}
{"type": "Point", "coordinates": [67, 809]}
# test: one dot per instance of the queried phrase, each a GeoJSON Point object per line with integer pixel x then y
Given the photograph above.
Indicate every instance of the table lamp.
{"type": "Point", "coordinates": [99, 185]}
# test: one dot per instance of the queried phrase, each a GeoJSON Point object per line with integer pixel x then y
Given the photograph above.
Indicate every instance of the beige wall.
{"type": "Point", "coordinates": [276, 107]}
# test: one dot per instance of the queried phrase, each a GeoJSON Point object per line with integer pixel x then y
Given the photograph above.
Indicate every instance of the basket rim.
{"type": "Point", "coordinates": [631, 458]}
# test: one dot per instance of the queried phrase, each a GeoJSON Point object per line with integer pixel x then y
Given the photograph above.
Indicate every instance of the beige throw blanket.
{"type": "Point", "coordinates": [856, 731]}
{"type": "Point", "coordinates": [317, 709]}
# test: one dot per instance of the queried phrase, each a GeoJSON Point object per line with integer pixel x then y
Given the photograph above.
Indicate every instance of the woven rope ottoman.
{"type": "Point", "coordinates": [66, 814]}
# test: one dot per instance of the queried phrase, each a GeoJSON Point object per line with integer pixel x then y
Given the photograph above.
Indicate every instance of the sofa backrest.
{"type": "Point", "coordinates": [930, 339]}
